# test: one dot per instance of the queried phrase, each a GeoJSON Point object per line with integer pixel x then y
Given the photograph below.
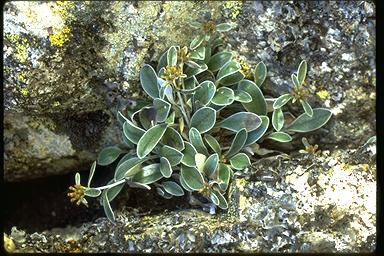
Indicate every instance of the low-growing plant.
{"type": "Point", "coordinates": [194, 134]}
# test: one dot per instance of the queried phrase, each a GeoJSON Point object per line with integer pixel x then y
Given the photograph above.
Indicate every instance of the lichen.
{"type": "Point", "coordinates": [234, 7]}
{"type": "Point", "coordinates": [323, 94]}
{"type": "Point", "coordinates": [60, 37]}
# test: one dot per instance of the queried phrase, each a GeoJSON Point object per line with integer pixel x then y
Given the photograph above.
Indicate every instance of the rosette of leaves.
{"type": "Point", "coordinates": [194, 135]}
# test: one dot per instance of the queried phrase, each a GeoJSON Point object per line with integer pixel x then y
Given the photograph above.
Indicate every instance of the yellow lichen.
{"type": "Point", "coordinates": [234, 7]}
{"type": "Point", "coordinates": [245, 69]}
{"type": "Point", "coordinates": [9, 246]}
{"type": "Point", "coordinates": [56, 104]}
{"type": "Point", "coordinates": [59, 38]}
{"type": "Point", "coordinates": [323, 94]}
{"type": "Point", "coordinates": [21, 52]}
{"type": "Point", "coordinates": [24, 91]}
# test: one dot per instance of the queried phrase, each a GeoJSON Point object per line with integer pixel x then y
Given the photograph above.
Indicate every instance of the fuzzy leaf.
{"type": "Point", "coordinates": [128, 168]}
{"type": "Point", "coordinates": [192, 177]}
{"type": "Point", "coordinates": [232, 79]}
{"type": "Point", "coordinates": [173, 155]}
{"type": "Point", "coordinates": [149, 174]}
{"type": "Point", "coordinates": [214, 198]}
{"type": "Point", "coordinates": [148, 80]}
{"type": "Point", "coordinates": [242, 96]}
{"type": "Point", "coordinates": [189, 155]}
{"type": "Point", "coordinates": [205, 93]}
{"type": "Point", "coordinates": [302, 72]}
{"type": "Point", "coordinates": [196, 42]}
{"type": "Point", "coordinates": [237, 143]}
{"type": "Point", "coordinates": [282, 100]}
{"type": "Point", "coordinates": [92, 192]}
{"type": "Point", "coordinates": [224, 96]}
{"type": "Point", "coordinates": [165, 167]}
{"type": "Point", "coordinates": [280, 137]}
{"type": "Point", "coordinates": [172, 188]}
{"type": "Point", "coordinates": [211, 164]}
{"type": "Point", "coordinates": [173, 139]}
{"type": "Point", "coordinates": [150, 139]}
{"type": "Point", "coordinates": [258, 104]}
{"type": "Point", "coordinates": [108, 155]}
{"type": "Point", "coordinates": [208, 53]}
{"type": "Point", "coordinates": [162, 62]}
{"type": "Point", "coordinates": [223, 27]}
{"type": "Point", "coordinates": [112, 192]}
{"type": "Point", "coordinates": [91, 172]}
{"type": "Point", "coordinates": [132, 132]}
{"type": "Point", "coordinates": [107, 208]}
{"type": "Point", "coordinates": [222, 202]}
{"type": "Point", "coordinates": [147, 116]}
{"type": "Point", "coordinates": [77, 178]}
{"type": "Point", "coordinates": [194, 71]}
{"type": "Point", "coordinates": [240, 120]}
{"type": "Point", "coordinates": [212, 142]}
{"type": "Point", "coordinates": [172, 56]}
{"type": "Point", "coordinates": [305, 123]}
{"type": "Point", "coordinates": [224, 175]}
{"type": "Point", "coordinates": [260, 73]}
{"type": "Point", "coordinates": [203, 119]}
{"type": "Point", "coordinates": [307, 108]}
{"type": "Point", "coordinates": [278, 119]}
{"type": "Point", "coordinates": [199, 53]}
{"type": "Point", "coordinates": [184, 185]}
{"type": "Point", "coordinates": [230, 68]}
{"type": "Point", "coordinates": [240, 161]}
{"type": "Point", "coordinates": [256, 134]}
{"type": "Point", "coordinates": [218, 60]}
{"type": "Point", "coordinates": [295, 81]}
{"type": "Point", "coordinates": [197, 141]}
{"type": "Point", "coordinates": [200, 161]}
{"type": "Point", "coordinates": [162, 109]}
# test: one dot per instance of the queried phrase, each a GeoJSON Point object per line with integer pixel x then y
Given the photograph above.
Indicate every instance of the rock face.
{"type": "Point", "coordinates": [67, 73]}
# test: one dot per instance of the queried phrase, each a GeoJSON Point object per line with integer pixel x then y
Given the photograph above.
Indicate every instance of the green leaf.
{"type": "Point", "coordinates": [223, 27]}
{"type": "Point", "coordinates": [224, 175]}
{"type": "Point", "coordinates": [197, 141]}
{"type": "Point", "coordinates": [148, 80]}
{"type": "Point", "coordinates": [222, 202]}
{"type": "Point", "coordinates": [224, 96]}
{"type": "Point", "coordinates": [195, 24]}
{"type": "Point", "coordinates": [203, 119]}
{"type": "Point", "coordinates": [194, 71]}
{"type": "Point", "coordinates": [230, 68]}
{"type": "Point", "coordinates": [280, 137]}
{"type": "Point", "coordinates": [77, 178]}
{"type": "Point", "coordinates": [204, 93]}
{"type": "Point", "coordinates": [295, 81]}
{"type": "Point", "coordinates": [260, 73]}
{"type": "Point", "coordinates": [191, 64]}
{"type": "Point", "coordinates": [278, 119]}
{"type": "Point", "coordinates": [162, 109]}
{"type": "Point", "coordinates": [121, 118]}
{"type": "Point", "coordinates": [91, 172]}
{"type": "Point", "coordinates": [242, 96]}
{"type": "Point", "coordinates": [112, 192]}
{"type": "Point", "coordinates": [189, 155]}
{"type": "Point", "coordinates": [107, 208]}
{"type": "Point", "coordinates": [171, 118]}
{"type": "Point", "coordinates": [256, 134]}
{"type": "Point", "coordinates": [190, 84]}
{"type": "Point", "coordinates": [196, 42]}
{"type": "Point", "coordinates": [214, 198]}
{"type": "Point", "coordinates": [172, 188]}
{"type": "Point", "coordinates": [147, 116]}
{"type": "Point", "coordinates": [237, 143]}
{"type": "Point", "coordinates": [301, 72]}
{"type": "Point", "coordinates": [282, 100]}
{"type": "Point", "coordinates": [258, 104]}
{"type": "Point", "coordinates": [217, 42]}
{"type": "Point", "coordinates": [198, 54]}
{"type": "Point", "coordinates": [127, 142]}
{"type": "Point", "coordinates": [240, 120]}
{"type": "Point", "coordinates": [305, 123]}
{"type": "Point", "coordinates": [165, 167]}
{"type": "Point", "coordinates": [163, 193]}
{"type": "Point", "coordinates": [138, 185]}
{"type": "Point", "coordinates": [184, 185]}
{"type": "Point", "coordinates": [240, 161]}
{"type": "Point", "coordinates": [128, 168]}
{"type": "Point", "coordinates": [173, 155]}
{"type": "Point", "coordinates": [192, 177]}
{"type": "Point", "coordinates": [200, 161]}
{"type": "Point", "coordinates": [173, 139]}
{"type": "Point", "coordinates": [162, 62]}
{"type": "Point", "coordinates": [150, 139]}
{"type": "Point", "coordinates": [108, 155]}
{"type": "Point", "coordinates": [212, 142]}
{"type": "Point", "coordinates": [208, 52]}
{"type": "Point", "coordinates": [211, 164]}
{"type": "Point", "coordinates": [232, 79]}
{"type": "Point", "coordinates": [307, 108]}
{"type": "Point", "coordinates": [124, 158]}
{"type": "Point", "coordinates": [149, 174]}
{"type": "Point", "coordinates": [92, 192]}
{"type": "Point", "coordinates": [172, 56]}
{"type": "Point", "coordinates": [218, 60]}
{"type": "Point", "coordinates": [132, 132]}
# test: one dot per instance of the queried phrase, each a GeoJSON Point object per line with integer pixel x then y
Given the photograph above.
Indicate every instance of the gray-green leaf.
{"type": "Point", "coordinates": [256, 134]}
{"type": "Point", "coordinates": [162, 109]}
{"type": "Point", "coordinates": [192, 177]}
{"type": "Point", "coordinates": [211, 164]}
{"type": "Point", "coordinates": [237, 143]}
{"type": "Point", "coordinates": [295, 81]}
{"type": "Point", "coordinates": [128, 168]}
{"type": "Point", "coordinates": [173, 155]}
{"type": "Point", "coordinates": [242, 96]}
{"type": "Point", "coordinates": [230, 68]}
{"type": "Point", "coordinates": [149, 174]}
{"type": "Point", "coordinates": [92, 192]}
{"type": "Point", "coordinates": [173, 139]}
{"type": "Point", "coordinates": [280, 137]}
{"type": "Point", "coordinates": [107, 208]}
{"type": "Point", "coordinates": [224, 175]}
{"type": "Point", "coordinates": [189, 155]}
{"type": "Point", "coordinates": [278, 119]}
{"type": "Point", "coordinates": [203, 119]}
{"type": "Point", "coordinates": [218, 60]}
{"type": "Point", "coordinates": [224, 96]}
{"type": "Point", "coordinates": [77, 178]}
{"type": "Point", "coordinates": [184, 185]}
{"type": "Point", "coordinates": [172, 188]}
{"type": "Point", "coordinates": [204, 93]}
{"type": "Point", "coordinates": [222, 202]}
{"type": "Point", "coordinates": [223, 27]}
{"type": "Point", "coordinates": [91, 172]}
{"type": "Point", "coordinates": [301, 72]}
{"type": "Point", "coordinates": [305, 123]}
{"type": "Point", "coordinates": [132, 132]}
{"type": "Point", "coordinates": [212, 142]}
{"type": "Point", "coordinates": [282, 100]}
{"type": "Point", "coordinates": [260, 73]}
{"type": "Point", "coordinates": [172, 56]}
{"type": "Point", "coordinates": [108, 155]}
{"type": "Point", "coordinates": [194, 71]}
{"type": "Point", "coordinates": [165, 167]}
{"type": "Point", "coordinates": [148, 80]}
{"type": "Point", "coordinates": [258, 104]}
{"type": "Point", "coordinates": [196, 42]}
{"type": "Point", "coordinates": [197, 141]}
{"type": "Point", "coordinates": [240, 120]}
{"type": "Point", "coordinates": [150, 139]}
{"type": "Point", "coordinates": [199, 53]}
{"type": "Point", "coordinates": [307, 108]}
{"type": "Point", "coordinates": [240, 161]}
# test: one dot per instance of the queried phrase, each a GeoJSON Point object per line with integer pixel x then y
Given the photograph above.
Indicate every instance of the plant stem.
{"type": "Point", "coordinates": [111, 185]}
{"type": "Point", "coordinates": [182, 108]}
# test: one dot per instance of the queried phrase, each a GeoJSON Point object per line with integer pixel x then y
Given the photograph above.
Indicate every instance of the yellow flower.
{"type": "Point", "coordinates": [323, 94]}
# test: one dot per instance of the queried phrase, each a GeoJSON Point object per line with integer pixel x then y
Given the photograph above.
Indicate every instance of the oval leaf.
{"type": "Point", "coordinates": [231, 67]}
{"type": "Point", "coordinates": [224, 96]}
{"type": "Point", "coordinates": [256, 134]}
{"type": "Point", "coordinates": [203, 119]}
{"type": "Point", "coordinates": [237, 143]}
{"type": "Point", "coordinates": [214, 198]}
{"type": "Point", "coordinates": [223, 27]}
{"type": "Point", "coordinates": [224, 175]}
{"type": "Point", "coordinates": [173, 155]}
{"type": "Point", "coordinates": [305, 123]}
{"type": "Point", "coordinates": [147, 116]}
{"type": "Point", "coordinates": [301, 72]}
{"type": "Point", "coordinates": [112, 192]}
{"type": "Point", "coordinates": [211, 164]}
{"type": "Point", "coordinates": [295, 81]}
{"type": "Point", "coordinates": [107, 208]}
{"type": "Point", "coordinates": [189, 155]}
{"type": "Point", "coordinates": [242, 96]}
{"type": "Point", "coordinates": [240, 120]}
{"type": "Point", "coordinates": [205, 93]}
{"type": "Point", "coordinates": [232, 78]}
{"type": "Point", "coordinates": [192, 177]}
{"type": "Point", "coordinates": [92, 192]}
{"type": "Point", "coordinates": [77, 178]}
{"type": "Point", "coordinates": [162, 109]}
{"type": "Point", "coordinates": [260, 73]}
{"type": "Point", "coordinates": [240, 161]}
{"type": "Point", "coordinates": [196, 42]}
{"type": "Point", "coordinates": [197, 141]}
{"type": "Point", "coordinates": [258, 104]}
{"type": "Point", "coordinates": [172, 188]}
{"type": "Point", "coordinates": [162, 62]}
{"type": "Point", "coordinates": [165, 167]}
{"type": "Point", "coordinates": [307, 108]}
{"type": "Point", "coordinates": [150, 139]}
{"type": "Point", "coordinates": [212, 142]}
{"type": "Point", "coordinates": [280, 137]}
{"type": "Point", "coordinates": [172, 56]}
{"type": "Point", "coordinates": [222, 202]}
{"type": "Point", "coordinates": [282, 100]}
{"type": "Point", "coordinates": [173, 139]}
{"type": "Point", "coordinates": [278, 119]}
{"type": "Point", "coordinates": [132, 132]}
{"type": "Point", "coordinates": [218, 60]}
{"type": "Point", "coordinates": [148, 80]}
{"type": "Point", "coordinates": [198, 54]}
{"type": "Point", "coordinates": [91, 172]}
{"type": "Point", "coordinates": [108, 155]}
{"type": "Point", "coordinates": [128, 168]}
{"type": "Point", "coordinates": [195, 71]}
{"type": "Point", "coordinates": [183, 184]}
{"type": "Point", "coordinates": [149, 174]}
